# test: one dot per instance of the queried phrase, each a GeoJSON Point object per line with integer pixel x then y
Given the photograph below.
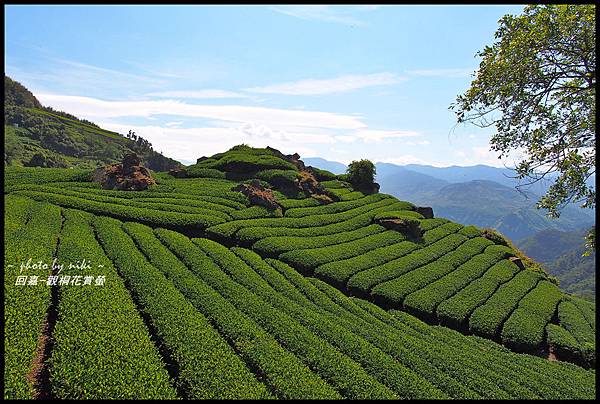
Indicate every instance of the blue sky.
{"type": "Point", "coordinates": [341, 83]}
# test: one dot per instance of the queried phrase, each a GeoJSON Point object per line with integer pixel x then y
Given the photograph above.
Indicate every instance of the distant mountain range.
{"type": "Point", "coordinates": [480, 195]}
{"type": "Point", "coordinates": [560, 253]}
{"type": "Point", "coordinates": [333, 166]}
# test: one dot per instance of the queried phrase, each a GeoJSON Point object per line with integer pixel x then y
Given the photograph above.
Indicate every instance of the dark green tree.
{"type": "Point", "coordinates": [361, 173]}
{"type": "Point", "coordinates": [536, 84]}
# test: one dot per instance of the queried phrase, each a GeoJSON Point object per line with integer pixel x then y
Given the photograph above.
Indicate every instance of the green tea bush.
{"type": "Point", "coordinates": [350, 196]}
{"type": "Point", "coordinates": [381, 366]}
{"type": "Point", "coordinates": [196, 171]}
{"type": "Point", "coordinates": [298, 203]}
{"type": "Point", "coordinates": [208, 193]}
{"type": "Point", "coordinates": [251, 234]}
{"type": "Point", "coordinates": [205, 202]}
{"type": "Point", "coordinates": [143, 215]}
{"type": "Point", "coordinates": [524, 329]}
{"type": "Point", "coordinates": [429, 364]}
{"type": "Point", "coordinates": [342, 270]}
{"type": "Point", "coordinates": [426, 300]}
{"type": "Point", "coordinates": [428, 224]}
{"type": "Point", "coordinates": [32, 233]}
{"type": "Point", "coordinates": [481, 369]}
{"type": "Point", "coordinates": [17, 212]}
{"type": "Point", "coordinates": [487, 319]}
{"type": "Point", "coordinates": [456, 310]}
{"type": "Point", "coordinates": [194, 345]}
{"type": "Point", "coordinates": [39, 175]}
{"type": "Point", "coordinates": [588, 309]}
{"type": "Point", "coordinates": [545, 378]}
{"type": "Point", "coordinates": [399, 214]}
{"type": "Point", "coordinates": [311, 258]}
{"type": "Point", "coordinates": [470, 231]}
{"type": "Point", "coordinates": [395, 290]}
{"type": "Point", "coordinates": [152, 203]}
{"type": "Point", "coordinates": [573, 320]}
{"type": "Point", "coordinates": [336, 184]}
{"type": "Point", "coordinates": [323, 175]}
{"type": "Point", "coordinates": [565, 345]}
{"type": "Point", "coordinates": [278, 177]}
{"type": "Point", "coordinates": [254, 212]}
{"type": "Point", "coordinates": [100, 319]}
{"type": "Point", "coordinates": [243, 163]}
{"type": "Point", "coordinates": [227, 230]}
{"type": "Point", "coordinates": [280, 370]}
{"type": "Point", "coordinates": [348, 377]}
{"type": "Point", "coordinates": [335, 207]}
{"type": "Point", "coordinates": [364, 281]}
{"type": "Point", "coordinates": [281, 244]}
{"type": "Point", "coordinates": [459, 364]}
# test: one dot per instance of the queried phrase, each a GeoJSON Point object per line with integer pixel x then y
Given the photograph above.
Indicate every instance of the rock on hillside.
{"type": "Point", "coordinates": [258, 195]}
{"type": "Point", "coordinates": [130, 175]}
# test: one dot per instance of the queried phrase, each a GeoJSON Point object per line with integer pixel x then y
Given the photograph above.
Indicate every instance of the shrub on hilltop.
{"type": "Point", "coordinates": [361, 174]}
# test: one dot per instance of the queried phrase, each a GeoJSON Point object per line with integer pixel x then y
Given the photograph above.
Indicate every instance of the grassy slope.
{"type": "Point", "coordinates": [73, 143]}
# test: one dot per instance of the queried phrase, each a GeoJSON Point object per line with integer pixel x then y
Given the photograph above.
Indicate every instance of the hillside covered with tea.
{"type": "Point", "coordinates": [252, 275]}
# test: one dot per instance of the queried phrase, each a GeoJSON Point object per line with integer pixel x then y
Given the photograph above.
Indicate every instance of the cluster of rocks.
{"type": "Point", "coordinates": [425, 211]}
{"type": "Point", "coordinates": [292, 158]}
{"type": "Point", "coordinates": [308, 184]}
{"type": "Point", "coordinates": [518, 262]}
{"type": "Point", "coordinates": [258, 194]}
{"type": "Point", "coordinates": [129, 175]}
{"type": "Point", "coordinates": [306, 181]}
{"type": "Point", "coordinates": [178, 172]}
{"type": "Point", "coordinates": [409, 227]}
{"type": "Point", "coordinates": [367, 189]}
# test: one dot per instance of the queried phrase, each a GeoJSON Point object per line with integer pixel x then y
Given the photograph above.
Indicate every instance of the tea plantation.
{"type": "Point", "coordinates": [208, 296]}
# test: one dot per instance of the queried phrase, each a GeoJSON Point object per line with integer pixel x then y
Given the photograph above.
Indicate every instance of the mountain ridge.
{"type": "Point", "coordinates": [561, 254]}
{"type": "Point", "coordinates": [39, 136]}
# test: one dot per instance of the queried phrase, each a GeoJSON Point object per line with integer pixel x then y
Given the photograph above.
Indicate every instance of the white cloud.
{"type": "Point", "coordinates": [92, 108]}
{"type": "Point", "coordinates": [198, 94]}
{"type": "Point", "coordinates": [85, 68]}
{"type": "Point", "coordinates": [370, 135]}
{"type": "Point", "coordinates": [190, 143]}
{"type": "Point", "coordinates": [311, 133]}
{"type": "Point", "coordinates": [152, 71]}
{"type": "Point", "coordinates": [483, 155]}
{"type": "Point", "coordinates": [263, 132]}
{"type": "Point", "coordinates": [450, 73]}
{"type": "Point", "coordinates": [329, 86]}
{"type": "Point", "coordinates": [187, 144]}
{"type": "Point", "coordinates": [334, 14]}
{"type": "Point", "coordinates": [182, 143]}
{"type": "Point", "coordinates": [173, 124]}
{"type": "Point", "coordinates": [418, 143]}
{"type": "Point", "coordinates": [486, 156]}
{"type": "Point", "coordinates": [46, 72]}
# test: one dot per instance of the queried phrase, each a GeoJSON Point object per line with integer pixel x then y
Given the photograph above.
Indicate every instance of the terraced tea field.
{"type": "Point", "coordinates": [206, 296]}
